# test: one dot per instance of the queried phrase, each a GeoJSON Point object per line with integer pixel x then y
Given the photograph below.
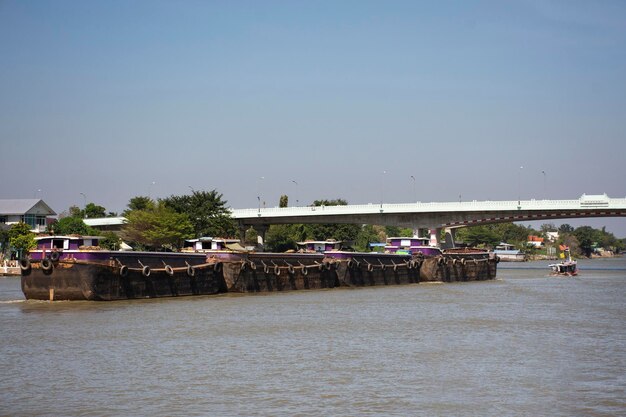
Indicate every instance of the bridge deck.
{"type": "Point", "coordinates": [441, 214]}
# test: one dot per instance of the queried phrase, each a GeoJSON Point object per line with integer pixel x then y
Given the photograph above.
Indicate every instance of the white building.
{"type": "Point", "coordinates": [33, 212]}
{"type": "Point", "coordinates": [552, 236]}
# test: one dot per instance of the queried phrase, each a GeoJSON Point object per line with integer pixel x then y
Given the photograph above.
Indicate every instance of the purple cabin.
{"type": "Point", "coordinates": [78, 247]}
{"type": "Point", "coordinates": [411, 246]}
{"type": "Point", "coordinates": [64, 243]}
{"type": "Point", "coordinates": [210, 244]}
{"type": "Point", "coordinates": [320, 246]}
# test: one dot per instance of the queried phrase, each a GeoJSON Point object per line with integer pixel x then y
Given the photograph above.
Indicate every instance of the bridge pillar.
{"type": "Point", "coordinates": [419, 232]}
{"type": "Point", "coordinates": [450, 237]}
{"type": "Point", "coordinates": [261, 230]}
{"type": "Point", "coordinates": [434, 236]}
{"type": "Point", "coordinates": [242, 233]}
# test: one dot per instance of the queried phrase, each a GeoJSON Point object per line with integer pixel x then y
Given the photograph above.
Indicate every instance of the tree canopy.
{"type": "Point", "coordinates": [21, 238]}
{"type": "Point", "coordinates": [166, 223]}
{"type": "Point", "coordinates": [94, 211]}
{"type": "Point", "coordinates": [158, 228]}
{"type": "Point", "coordinates": [581, 241]}
{"type": "Point", "coordinates": [139, 203]}
{"type": "Point", "coordinates": [73, 226]}
{"type": "Point", "coordinates": [4, 241]}
{"type": "Point", "coordinates": [206, 211]}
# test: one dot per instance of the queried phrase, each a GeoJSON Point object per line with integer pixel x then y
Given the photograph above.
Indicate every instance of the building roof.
{"type": "Point", "coordinates": [212, 239]}
{"type": "Point", "coordinates": [105, 221]}
{"type": "Point", "coordinates": [377, 245]}
{"type": "Point", "coordinates": [331, 241]}
{"type": "Point", "coordinates": [23, 206]}
{"type": "Point", "coordinates": [52, 237]}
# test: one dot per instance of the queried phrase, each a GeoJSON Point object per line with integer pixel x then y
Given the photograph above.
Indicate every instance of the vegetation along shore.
{"type": "Point", "coordinates": [164, 225]}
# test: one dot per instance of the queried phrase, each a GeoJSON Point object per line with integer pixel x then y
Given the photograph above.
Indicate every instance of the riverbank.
{"type": "Point", "coordinates": [602, 255]}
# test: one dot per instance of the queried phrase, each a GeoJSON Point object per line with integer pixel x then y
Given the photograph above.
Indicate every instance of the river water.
{"type": "Point", "coordinates": [523, 345]}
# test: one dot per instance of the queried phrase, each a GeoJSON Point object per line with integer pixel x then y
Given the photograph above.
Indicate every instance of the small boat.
{"type": "Point", "coordinates": [507, 253]}
{"type": "Point", "coordinates": [567, 267]}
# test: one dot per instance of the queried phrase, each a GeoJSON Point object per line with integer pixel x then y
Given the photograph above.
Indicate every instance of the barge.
{"type": "Point", "coordinates": [75, 268]}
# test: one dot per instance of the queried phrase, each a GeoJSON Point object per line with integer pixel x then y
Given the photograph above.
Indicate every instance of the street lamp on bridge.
{"type": "Point", "coordinates": [84, 203]}
{"type": "Point", "coordinates": [519, 186]}
{"type": "Point", "coordinates": [382, 187]}
{"type": "Point", "coordinates": [295, 182]}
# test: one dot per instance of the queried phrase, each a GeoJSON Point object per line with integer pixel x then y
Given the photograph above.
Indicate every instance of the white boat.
{"type": "Point", "coordinates": [567, 267]}
{"type": "Point", "coordinates": [508, 253]}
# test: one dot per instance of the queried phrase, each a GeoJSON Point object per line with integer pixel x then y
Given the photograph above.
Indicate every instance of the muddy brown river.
{"type": "Point", "coordinates": [524, 345]}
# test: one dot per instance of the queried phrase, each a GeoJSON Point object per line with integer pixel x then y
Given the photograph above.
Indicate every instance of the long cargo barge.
{"type": "Point", "coordinates": [74, 268]}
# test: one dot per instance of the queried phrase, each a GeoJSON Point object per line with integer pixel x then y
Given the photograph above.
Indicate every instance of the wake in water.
{"type": "Point", "coordinates": [12, 301]}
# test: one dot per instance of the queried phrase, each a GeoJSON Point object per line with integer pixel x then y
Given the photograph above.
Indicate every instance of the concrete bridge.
{"type": "Point", "coordinates": [434, 216]}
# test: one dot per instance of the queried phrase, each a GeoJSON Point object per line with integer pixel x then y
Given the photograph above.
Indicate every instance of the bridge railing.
{"type": "Point", "coordinates": [418, 207]}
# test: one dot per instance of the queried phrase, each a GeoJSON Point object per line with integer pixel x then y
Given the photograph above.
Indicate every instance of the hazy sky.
{"type": "Point", "coordinates": [314, 99]}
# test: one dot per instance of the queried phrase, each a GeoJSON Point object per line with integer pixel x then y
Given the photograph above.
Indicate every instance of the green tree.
{"type": "Point", "coordinates": [586, 237]}
{"type": "Point", "coordinates": [513, 233]}
{"type": "Point", "coordinates": [159, 228]}
{"type": "Point", "coordinates": [366, 235]}
{"type": "Point", "coordinates": [207, 212]}
{"type": "Point", "coordinates": [395, 231]}
{"type": "Point", "coordinates": [94, 211]}
{"type": "Point", "coordinates": [72, 226]}
{"type": "Point", "coordinates": [492, 234]}
{"type": "Point", "coordinates": [608, 241]}
{"type": "Point", "coordinates": [110, 241]}
{"type": "Point", "coordinates": [21, 238]}
{"type": "Point", "coordinates": [344, 232]}
{"type": "Point", "coordinates": [139, 203]}
{"type": "Point", "coordinates": [4, 241]}
{"type": "Point", "coordinates": [479, 236]}
{"type": "Point", "coordinates": [280, 238]}
{"type": "Point", "coordinates": [251, 237]}
{"type": "Point", "coordinates": [75, 211]}
{"type": "Point", "coordinates": [299, 232]}
{"type": "Point", "coordinates": [284, 201]}
{"type": "Point", "coordinates": [548, 227]}
{"type": "Point", "coordinates": [335, 202]}
{"type": "Point", "coordinates": [571, 242]}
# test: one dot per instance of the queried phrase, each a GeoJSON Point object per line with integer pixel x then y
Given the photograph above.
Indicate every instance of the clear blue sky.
{"type": "Point", "coordinates": [313, 99]}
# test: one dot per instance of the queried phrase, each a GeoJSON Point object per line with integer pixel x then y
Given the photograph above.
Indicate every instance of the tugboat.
{"type": "Point", "coordinates": [567, 267]}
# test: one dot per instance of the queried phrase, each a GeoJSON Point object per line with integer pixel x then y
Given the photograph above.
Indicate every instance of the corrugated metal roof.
{"type": "Point", "coordinates": [105, 221]}
{"type": "Point", "coordinates": [21, 206]}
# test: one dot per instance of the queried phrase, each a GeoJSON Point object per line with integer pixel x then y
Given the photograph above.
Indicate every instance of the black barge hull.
{"type": "Point", "coordinates": [123, 276]}
{"type": "Point", "coordinates": [134, 275]}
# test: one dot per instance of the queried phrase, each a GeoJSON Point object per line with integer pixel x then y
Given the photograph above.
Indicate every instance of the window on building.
{"type": "Point", "coordinates": [29, 219]}
{"type": "Point", "coordinates": [3, 219]}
